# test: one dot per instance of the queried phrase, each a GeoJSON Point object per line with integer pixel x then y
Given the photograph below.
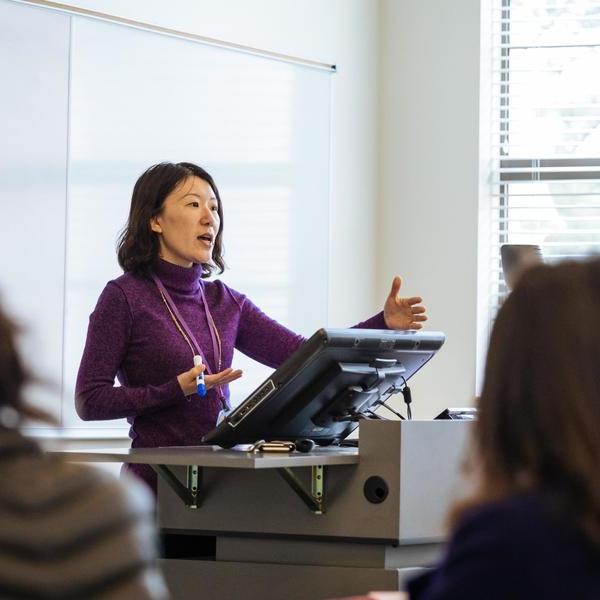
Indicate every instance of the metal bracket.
{"type": "Point", "coordinates": [190, 494]}
{"type": "Point", "coordinates": [317, 483]}
{"type": "Point", "coordinates": [313, 499]}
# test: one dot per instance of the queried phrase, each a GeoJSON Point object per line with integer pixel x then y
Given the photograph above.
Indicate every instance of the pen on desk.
{"type": "Point", "coordinates": [200, 385]}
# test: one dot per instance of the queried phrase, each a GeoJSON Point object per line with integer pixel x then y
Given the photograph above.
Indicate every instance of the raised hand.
{"type": "Point", "coordinates": [187, 380]}
{"type": "Point", "coordinates": [403, 313]}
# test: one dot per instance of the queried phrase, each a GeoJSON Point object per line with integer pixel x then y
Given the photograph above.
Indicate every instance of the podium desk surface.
{"type": "Point", "coordinates": [214, 456]}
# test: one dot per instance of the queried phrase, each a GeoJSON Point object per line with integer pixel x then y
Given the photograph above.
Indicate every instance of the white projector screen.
{"type": "Point", "coordinates": [91, 105]}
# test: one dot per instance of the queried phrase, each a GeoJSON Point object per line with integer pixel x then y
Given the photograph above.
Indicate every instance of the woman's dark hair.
{"type": "Point", "coordinates": [138, 245]}
{"type": "Point", "coordinates": [13, 375]}
{"type": "Point", "coordinates": [539, 411]}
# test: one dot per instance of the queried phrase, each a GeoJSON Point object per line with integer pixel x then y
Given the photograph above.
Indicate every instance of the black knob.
{"type": "Point", "coordinates": [304, 445]}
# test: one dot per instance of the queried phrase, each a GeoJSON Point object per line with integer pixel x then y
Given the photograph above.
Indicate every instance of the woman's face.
{"type": "Point", "coordinates": [188, 223]}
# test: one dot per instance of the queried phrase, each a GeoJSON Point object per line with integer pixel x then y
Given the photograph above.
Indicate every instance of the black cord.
{"type": "Point", "coordinates": [382, 403]}
{"type": "Point", "coordinates": [407, 398]}
{"type": "Point", "coordinates": [373, 415]}
{"type": "Point", "coordinates": [351, 416]}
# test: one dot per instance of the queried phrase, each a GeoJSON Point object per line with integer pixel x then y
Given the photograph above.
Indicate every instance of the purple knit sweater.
{"type": "Point", "coordinates": [131, 336]}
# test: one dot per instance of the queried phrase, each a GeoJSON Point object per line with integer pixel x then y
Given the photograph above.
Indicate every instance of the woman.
{"type": "Point", "coordinates": [532, 528]}
{"type": "Point", "coordinates": [149, 323]}
{"type": "Point", "coordinates": [66, 530]}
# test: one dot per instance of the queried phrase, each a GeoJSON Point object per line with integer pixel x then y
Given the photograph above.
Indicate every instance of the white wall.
{"type": "Point", "coordinates": [429, 115]}
{"type": "Point", "coordinates": [343, 32]}
{"type": "Point", "coordinates": [404, 150]}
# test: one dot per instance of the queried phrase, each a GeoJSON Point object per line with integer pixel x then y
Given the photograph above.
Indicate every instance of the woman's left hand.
{"type": "Point", "coordinates": [403, 313]}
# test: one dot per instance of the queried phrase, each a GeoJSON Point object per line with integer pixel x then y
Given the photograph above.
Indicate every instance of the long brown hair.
{"type": "Point", "coordinates": [539, 411]}
{"type": "Point", "coordinates": [138, 245]}
{"type": "Point", "coordinates": [14, 376]}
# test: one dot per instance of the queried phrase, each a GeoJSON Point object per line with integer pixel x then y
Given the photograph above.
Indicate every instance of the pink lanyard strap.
{"type": "Point", "coordinates": [214, 334]}
{"type": "Point", "coordinates": [184, 325]}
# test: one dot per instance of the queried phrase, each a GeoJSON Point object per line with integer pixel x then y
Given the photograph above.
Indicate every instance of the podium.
{"type": "Point", "coordinates": [329, 523]}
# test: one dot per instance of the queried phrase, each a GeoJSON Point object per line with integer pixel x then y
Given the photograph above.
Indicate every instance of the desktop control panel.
{"type": "Point", "coordinates": [244, 409]}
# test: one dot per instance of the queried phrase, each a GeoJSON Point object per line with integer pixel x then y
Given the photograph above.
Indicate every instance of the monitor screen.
{"type": "Point", "coordinates": [331, 382]}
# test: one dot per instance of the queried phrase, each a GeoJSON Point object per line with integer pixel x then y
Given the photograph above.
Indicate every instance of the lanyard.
{"type": "Point", "coordinates": [214, 332]}
{"type": "Point", "coordinates": [179, 320]}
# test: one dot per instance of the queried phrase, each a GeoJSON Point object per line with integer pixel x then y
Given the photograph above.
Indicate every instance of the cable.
{"type": "Point", "coordinates": [382, 403]}
{"type": "Point", "coordinates": [351, 416]}
{"type": "Point", "coordinates": [374, 415]}
{"type": "Point", "coordinates": [407, 398]}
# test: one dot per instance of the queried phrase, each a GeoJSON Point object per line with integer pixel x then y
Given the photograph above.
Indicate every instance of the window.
{"type": "Point", "coordinates": [545, 173]}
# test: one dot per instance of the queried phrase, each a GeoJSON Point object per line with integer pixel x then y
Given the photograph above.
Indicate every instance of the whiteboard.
{"type": "Point", "coordinates": [91, 105]}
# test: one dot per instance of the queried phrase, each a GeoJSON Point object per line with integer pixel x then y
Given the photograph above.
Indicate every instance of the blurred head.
{"type": "Point", "coordinates": [175, 214]}
{"type": "Point", "coordinates": [13, 378]}
{"type": "Point", "coordinates": [539, 411]}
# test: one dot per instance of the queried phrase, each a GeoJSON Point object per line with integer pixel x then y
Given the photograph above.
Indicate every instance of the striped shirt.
{"type": "Point", "coordinates": [71, 531]}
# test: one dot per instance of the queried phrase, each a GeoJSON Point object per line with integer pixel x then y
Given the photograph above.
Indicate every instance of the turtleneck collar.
{"type": "Point", "coordinates": [179, 279]}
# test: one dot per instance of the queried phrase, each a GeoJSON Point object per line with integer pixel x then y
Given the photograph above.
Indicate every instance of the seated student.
{"type": "Point", "coordinates": [532, 527]}
{"type": "Point", "coordinates": [66, 530]}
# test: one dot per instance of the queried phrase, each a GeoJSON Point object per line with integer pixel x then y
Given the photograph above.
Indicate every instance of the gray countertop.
{"type": "Point", "coordinates": [214, 456]}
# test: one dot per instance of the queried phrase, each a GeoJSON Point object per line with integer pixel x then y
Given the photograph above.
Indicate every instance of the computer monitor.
{"type": "Point", "coordinates": [332, 381]}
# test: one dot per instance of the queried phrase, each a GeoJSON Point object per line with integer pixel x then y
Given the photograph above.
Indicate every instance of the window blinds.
{"type": "Point", "coordinates": [545, 127]}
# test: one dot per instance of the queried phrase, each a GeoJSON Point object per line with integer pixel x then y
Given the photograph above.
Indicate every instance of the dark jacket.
{"type": "Point", "coordinates": [518, 549]}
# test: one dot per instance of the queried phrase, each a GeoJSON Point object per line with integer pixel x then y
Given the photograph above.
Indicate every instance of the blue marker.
{"type": "Point", "coordinates": [200, 385]}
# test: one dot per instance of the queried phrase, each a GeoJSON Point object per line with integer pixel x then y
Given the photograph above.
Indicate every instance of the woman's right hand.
{"type": "Point", "coordinates": [187, 380]}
